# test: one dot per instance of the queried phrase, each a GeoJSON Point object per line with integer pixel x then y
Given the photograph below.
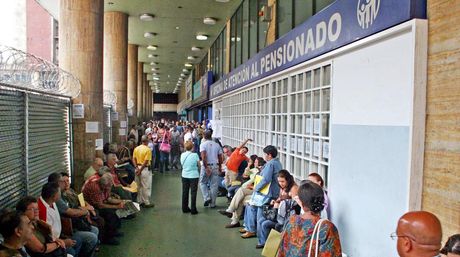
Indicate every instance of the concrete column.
{"type": "Point", "coordinates": [115, 65]}
{"type": "Point", "coordinates": [80, 53]}
{"type": "Point", "coordinates": [132, 81]}
{"type": "Point", "coordinates": [144, 96]}
{"type": "Point", "coordinates": [140, 78]}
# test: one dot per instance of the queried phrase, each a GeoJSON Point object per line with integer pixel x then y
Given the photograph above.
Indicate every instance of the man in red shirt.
{"type": "Point", "coordinates": [234, 161]}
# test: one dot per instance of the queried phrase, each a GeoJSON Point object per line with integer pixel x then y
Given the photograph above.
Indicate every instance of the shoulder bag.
{"type": "Point", "coordinates": [316, 230]}
{"type": "Point", "coordinates": [165, 146]}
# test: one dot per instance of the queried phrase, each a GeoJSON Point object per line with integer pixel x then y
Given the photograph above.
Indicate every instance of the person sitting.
{"type": "Point", "coordinates": [190, 175]}
{"type": "Point", "coordinates": [452, 247]}
{"type": "Point", "coordinates": [317, 179]}
{"type": "Point", "coordinates": [94, 168]}
{"type": "Point", "coordinates": [49, 213]}
{"type": "Point", "coordinates": [41, 243]}
{"type": "Point", "coordinates": [242, 195]}
{"type": "Point", "coordinates": [97, 192]}
{"type": "Point", "coordinates": [117, 188]}
{"type": "Point", "coordinates": [232, 164]}
{"type": "Point", "coordinates": [16, 229]}
{"type": "Point", "coordinates": [124, 160]}
{"type": "Point", "coordinates": [418, 234]}
{"type": "Point", "coordinates": [298, 233]}
{"type": "Point", "coordinates": [288, 190]}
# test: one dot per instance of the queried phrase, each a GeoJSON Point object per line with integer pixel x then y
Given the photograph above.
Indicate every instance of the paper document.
{"type": "Point", "coordinates": [81, 199]}
{"type": "Point", "coordinates": [130, 208]}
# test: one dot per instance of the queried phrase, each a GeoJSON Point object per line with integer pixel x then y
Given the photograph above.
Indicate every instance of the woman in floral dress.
{"type": "Point", "coordinates": [298, 232]}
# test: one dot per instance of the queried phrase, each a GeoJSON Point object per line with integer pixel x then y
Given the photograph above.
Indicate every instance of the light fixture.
{"type": "Point", "coordinates": [201, 37]}
{"type": "Point", "coordinates": [156, 78]}
{"type": "Point", "coordinates": [155, 69]}
{"type": "Point", "coordinates": [196, 48]}
{"type": "Point", "coordinates": [149, 34]}
{"type": "Point", "coordinates": [177, 27]}
{"type": "Point", "coordinates": [188, 65]}
{"type": "Point", "coordinates": [152, 47]}
{"type": "Point", "coordinates": [183, 75]}
{"type": "Point", "coordinates": [167, 82]}
{"type": "Point", "coordinates": [153, 63]}
{"type": "Point", "coordinates": [156, 84]}
{"type": "Point", "coordinates": [152, 55]}
{"type": "Point", "coordinates": [185, 70]}
{"type": "Point", "coordinates": [209, 21]}
{"type": "Point", "coordinates": [222, 1]}
{"type": "Point", "coordinates": [238, 39]}
{"type": "Point", "coordinates": [146, 17]}
{"type": "Point", "coordinates": [191, 58]}
{"type": "Point", "coordinates": [155, 74]}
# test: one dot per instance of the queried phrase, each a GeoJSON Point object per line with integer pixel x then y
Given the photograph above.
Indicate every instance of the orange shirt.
{"type": "Point", "coordinates": [235, 160]}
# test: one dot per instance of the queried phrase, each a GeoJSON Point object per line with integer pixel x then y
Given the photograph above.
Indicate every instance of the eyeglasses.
{"type": "Point", "coordinates": [32, 209]}
{"type": "Point", "coordinates": [395, 236]}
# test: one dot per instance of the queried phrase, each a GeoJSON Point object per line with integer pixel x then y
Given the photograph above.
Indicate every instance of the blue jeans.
{"type": "Point", "coordinates": [75, 250]}
{"type": "Point", "coordinates": [164, 159]}
{"type": "Point", "coordinates": [213, 182]}
{"type": "Point", "coordinates": [88, 241]}
{"type": "Point", "coordinates": [252, 215]}
{"type": "Point", "coordinates": [264, 231]}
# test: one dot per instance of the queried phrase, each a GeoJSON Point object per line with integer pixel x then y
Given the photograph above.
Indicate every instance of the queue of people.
{"type": "Point", "coordinates": [263, 198]}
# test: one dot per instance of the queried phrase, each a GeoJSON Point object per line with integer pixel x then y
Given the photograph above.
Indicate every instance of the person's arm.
{"type": "Point", "coordinates": [204, 159]}
{"type": "Point", "coordinates": [220, 159]}
{"type": "Point", "coordinates": [76, 213]}
{"type": "Point", "coordinates": [244, 143]}
{"type": "Point", "coordinates": [266, 178]}
{"type": "Point", "coordinates": [37, 247]}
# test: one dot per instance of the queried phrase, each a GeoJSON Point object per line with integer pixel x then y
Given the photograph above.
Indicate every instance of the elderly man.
{"type": "Point", "coordinates": [16, 229]}
{"type": "Point", "coordinates": [211, 155]}
{"type": "Point", "coordinates": [97, 192]}
{"type": "Point", "coordinates": [117, 188]}
{"type": "Point", "coordinates": [94, 168]}
{"type": "Point", "coordinates": [142, 157]}
{"type": "Point", "coordinates": [418, 234]}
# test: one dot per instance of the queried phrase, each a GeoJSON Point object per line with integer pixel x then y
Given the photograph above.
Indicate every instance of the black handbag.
{"type": "Point", "coordinates": [269, 212]}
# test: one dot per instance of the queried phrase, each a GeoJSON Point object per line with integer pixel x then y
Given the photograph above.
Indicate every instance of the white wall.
{"type": "Point", "coordinates": [371, 139]}
{"type": "Point", "coordinates": [13, 20]}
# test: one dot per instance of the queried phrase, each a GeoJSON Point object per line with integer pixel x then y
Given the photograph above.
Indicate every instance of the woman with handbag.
{"type": "Point", "coordinates": [308, 234]}
{"type": "Point", "coordinates": [164, 138]}
{"type": "Point", "coordinates": [288, 189]}
{"type": "Point", "coordinates": [190, 174]}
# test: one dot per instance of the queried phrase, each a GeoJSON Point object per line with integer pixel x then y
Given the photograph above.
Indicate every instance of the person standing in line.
{"type": "Point", "coordinates": [164, 138]}
{"type": "Point", "coordinates": [211, 155]}
{"type": "Point", "coordinates": [190, 174]}
{"type": "Point", "coordinates": [175, 147]}
{"type": "Point", "coordinates": [141, 158]}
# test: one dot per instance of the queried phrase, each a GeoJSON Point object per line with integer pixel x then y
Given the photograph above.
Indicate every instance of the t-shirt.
{"type": "Point", "coordinates": [235, 160]}
{"type": "Point", "coordinates": [50, 215]}
{"type": "Point", "coordinates": [62, 205]}
{"type": "Point", "coordinates": [142, 153]}
{"type": "Point", "coordinates": [212, 151]}
{"type": "Point", "coordinates": [189, 162]}
{"type": "Point", "coordinates": [188, 137]}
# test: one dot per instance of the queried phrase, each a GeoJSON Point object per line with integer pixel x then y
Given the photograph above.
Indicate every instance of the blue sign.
{"type": "Point", "coordinates": [341, 23]}
{"type": "Point", "coordinates": [196, 90]}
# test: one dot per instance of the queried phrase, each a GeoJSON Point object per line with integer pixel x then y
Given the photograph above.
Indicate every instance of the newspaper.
{"type": "Point", "coordinates": [130, 208]}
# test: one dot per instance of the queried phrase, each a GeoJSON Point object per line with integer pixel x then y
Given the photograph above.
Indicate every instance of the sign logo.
{"type": "Point", "coordinates": [366, 12]}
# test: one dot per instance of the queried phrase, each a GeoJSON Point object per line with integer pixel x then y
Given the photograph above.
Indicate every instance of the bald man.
{"type": "Point", "coordinates": [419, 234]}
{"type": "Point", "coordinates": [94, 168]}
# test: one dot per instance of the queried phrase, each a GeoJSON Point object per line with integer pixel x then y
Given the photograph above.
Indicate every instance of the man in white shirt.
{"type": "Point", "coordinates": [149, 128]}
{"type": "Point", "coordinates": [49, 213]}
{"type": "Point", "coordinates": [211, 155]}
{"type": "Point", "coordinates": [188, 134]}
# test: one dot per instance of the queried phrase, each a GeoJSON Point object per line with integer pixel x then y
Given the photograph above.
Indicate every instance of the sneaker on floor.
{"type": "Point", "coordinates": [150, 205]}
{"type": "Point", "coordinates": [233, 225]}
{"type": "Point", "coordinates": [206, 203]}
{"type": "Point", "coordinates": [248, 235]}
{"type": "Point", "coordinates": [186, 211]}
{"type": "Point", "coordinates": [225, 213]}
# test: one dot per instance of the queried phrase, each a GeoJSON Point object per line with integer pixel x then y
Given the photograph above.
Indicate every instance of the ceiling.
{"type": "Point", "coordinates": [174, 45]}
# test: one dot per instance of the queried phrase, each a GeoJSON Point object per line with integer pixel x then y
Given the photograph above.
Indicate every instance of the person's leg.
{"type": "Point", "coordinates": [89, 242]}
{"type": "Point", "coordinates": [75, 250]}
{"type": "Point", "coordinates": [140, 196]}
{"type": "Point", "coordinates": [194, 189]}
{"type": "Point", "coordinates": [266, 227]}
{"type": "Point", "coordinates": [250, 218]}
{"type": "Point", "coordinates": [204, 180]}
{"type": "Point", "coordinates": [111, 223]}
{"type": "Point", "coordinates": [185, 190]}
{"type": "Point", "coordinates": [259, 219]}
{"type": "Point", "coordinates": [146, 180]}
{"type": "Point", "coordinates": [214, 185]}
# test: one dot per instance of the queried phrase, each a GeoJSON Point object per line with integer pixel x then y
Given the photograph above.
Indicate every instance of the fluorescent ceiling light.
{"type": "Point", "coordinates": [149, 34]}
{"type": "Point", "coordinates": [196, 48]}
{"type": "Point", "coordinates": [238, 39]}
{"type": "Point", "coordinates": [152, 55]}
{"type": "Point", "coordinates": [188, 65]}
{"type": "Point", "coordinates": [191, 58]}
{"type": "Point", "coordinates": [156, 78]}
{"type": "Point", "coordinates": [201, 37]}
{"type": "Point", "coordinates": [146, 17]}
{"type": "Point", "coordinates": [222, 1]}
{"type": "Point", "coordinates": [185, 70]}
{"type": "Point", "coordinates": [152, 47]}
{"type": "Point", "coordinates": [153, 63]}
{"type": "Point", "coordinates": [155, 69]}
{"type": "Point", "coordinates": [209, 21]}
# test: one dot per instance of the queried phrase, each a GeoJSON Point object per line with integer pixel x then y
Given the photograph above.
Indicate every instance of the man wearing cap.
{"type": "Point", "coordinates": [142, 157]}
{"type": "Point", "coordinates": [418, 234]}
{"type": "Point", "coordinates": [211, 155]}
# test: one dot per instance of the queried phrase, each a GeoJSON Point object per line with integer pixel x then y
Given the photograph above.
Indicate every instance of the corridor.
{"type": "Point", "coordinates": [166, 231]}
